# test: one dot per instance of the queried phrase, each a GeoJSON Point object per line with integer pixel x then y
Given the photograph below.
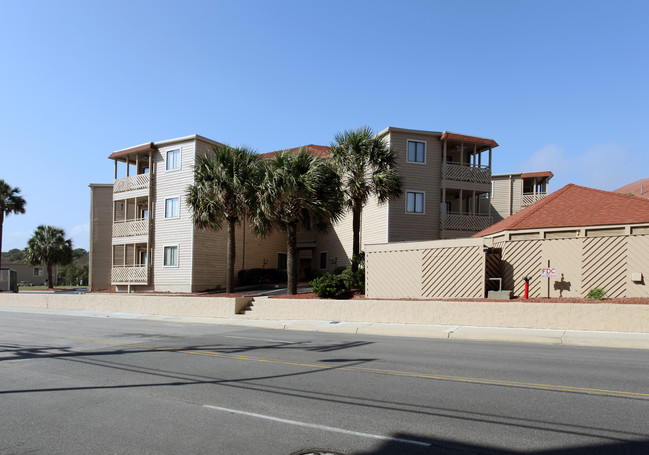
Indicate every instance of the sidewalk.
{"type": "Point", "coordinates": [632, 340]}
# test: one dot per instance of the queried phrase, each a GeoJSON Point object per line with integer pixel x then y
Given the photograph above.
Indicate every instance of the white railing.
{"type": "Point", "coordinates": [129, 274]}
{"type": "Point", "coordinates": [133, 182]}
{"type": "Point", "coordinates": [457, 222]}
{"type": "Point", "coordinates": [466, 173]}
{"type": "Point", "coordinates": [129, 228]}
{"type": "Point", "coordinates": [531, 198]}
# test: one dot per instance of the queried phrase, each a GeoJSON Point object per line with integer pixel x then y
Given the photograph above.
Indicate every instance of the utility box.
{"type": "Point", "coordinates": [8, 280]}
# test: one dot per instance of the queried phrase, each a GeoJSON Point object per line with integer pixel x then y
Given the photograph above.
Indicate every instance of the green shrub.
{"type": "Point", "coordinates": [354, 280]}
{"type": "Point", "coordinates": [340, 269]}
{"type": "Point", "coordinates": [261, 276]}
{"type": "Point", "coordinates": [597, 294]}
{"type": "Point", "coordinates": [328, 286]}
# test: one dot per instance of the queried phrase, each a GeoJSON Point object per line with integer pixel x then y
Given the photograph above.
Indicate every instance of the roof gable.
{"type": "Point", "coordinates": [575, 206]}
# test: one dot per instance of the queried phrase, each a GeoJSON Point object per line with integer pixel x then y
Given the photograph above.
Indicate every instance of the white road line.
{"type": "Point", "coordinates": [261, 339]}
{"type": "Point", "coordinates": [318, 427]}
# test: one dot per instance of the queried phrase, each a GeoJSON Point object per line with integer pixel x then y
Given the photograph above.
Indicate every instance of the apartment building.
{"type": "Point", "coordinates": [510, 193]}
{"type": "Point", "coordinates": [153, 245]}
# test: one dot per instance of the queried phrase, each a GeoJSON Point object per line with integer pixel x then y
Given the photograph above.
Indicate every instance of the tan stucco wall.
{"type": "Point", "coordinates": [218, 307]}
{"type": "Point", "coordinates": [560, 316]}
{"type": "Point", "coordinates": [564, 316]}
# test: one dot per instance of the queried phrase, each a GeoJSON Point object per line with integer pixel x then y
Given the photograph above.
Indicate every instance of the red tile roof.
{"type": "Point", "coordinates": [321, 151]}
{"type": "Point", "coordinates": [639, 188]}
{"type": "Point", "coordinates": [575, 206]}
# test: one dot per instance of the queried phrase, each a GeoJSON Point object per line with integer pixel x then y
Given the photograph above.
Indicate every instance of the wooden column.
{"type": "Point", "coordinates": [473, 202]}
{"type": "Point", "coordinates": [127, 166]}
{"type": "Point", "coordinates": [115, 169]}
{"type": "Point", "coordinates": [461, 202]}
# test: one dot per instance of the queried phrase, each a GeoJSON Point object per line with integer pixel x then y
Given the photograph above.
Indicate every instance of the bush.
{"type": "Point", "coordinates": [597, 294]}
{"type": "Point", "coordinates": [340, 269]}
{"type": "Point", "coordinates": [261, 276]}
{"type": "Point", "coordinates": [328, 286]}
{"type": "Point", "coordinates": [354, 280]}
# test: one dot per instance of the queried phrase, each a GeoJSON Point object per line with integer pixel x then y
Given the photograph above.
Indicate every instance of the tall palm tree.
{"type": "Point", "coordinates": [48, 246]}
{"type": "Point", "coordinates": [367, 166]}
{"type": "Point", "coordinates": [223, 184]}
{"type": "Point", "coordinates": [10, 202]}
{"type": "Point", "coordinates": [297, 188]}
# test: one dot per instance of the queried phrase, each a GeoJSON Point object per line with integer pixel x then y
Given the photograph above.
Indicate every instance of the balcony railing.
{"type": "Point", "coordinates": [130, 274]}
{"type": "Point", "coordinates": [133, 182]}
{"type": "Point", "coordinates": [531, 198]}
{"type": "Point", "coordinates": [465, 173]}
{"type": "Point", "coordinates": [130, 227]}
{"type": "Point", "coordinates": [457, 222]}
{"type": "Point", "coordinates": [307, 237]}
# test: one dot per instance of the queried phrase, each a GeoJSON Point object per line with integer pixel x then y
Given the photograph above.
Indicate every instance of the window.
{"type": "Point", "coordinates": [416, 152]}
{"type": "Point", "coordinates": [323, 260]}
{"type": "Point", "coordinates": [414, 202]}
{"type": "Point", "coordinates": [281, 261]}
{"type": "Point", "coordinates": [38, 271]}
{"type": "Point", "coordinates": [170, 256]}
{"type": "Point", "coordinates": [171, 207]}
{"type": "Point", "coordinates": [173, 159]}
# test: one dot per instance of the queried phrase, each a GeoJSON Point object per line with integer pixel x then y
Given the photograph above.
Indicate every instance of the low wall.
{"type": "Point", "coordinates": [216, 307]}
{"type": "Point", "coordinates": [562, 316]}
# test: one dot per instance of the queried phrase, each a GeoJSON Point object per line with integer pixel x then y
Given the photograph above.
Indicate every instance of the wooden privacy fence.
{"type": "Point", "coordinates": [461, 268]}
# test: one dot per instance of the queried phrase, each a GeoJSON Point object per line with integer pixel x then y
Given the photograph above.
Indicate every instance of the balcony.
{"type": "Point", "coordinates": [531, 198]}
{"type": "Point", "coordinates": [466, 173]}
{"type": "Point", "coordinates": [130, 228]}
{"type": "Point", "coordinates": [133, 182]}
{"type": "Point", "coordinates": [306, 238]}
{"type": "Point", "coordinates": [457, 222]}
{"type": "Point", "coordinates": [130, 275]}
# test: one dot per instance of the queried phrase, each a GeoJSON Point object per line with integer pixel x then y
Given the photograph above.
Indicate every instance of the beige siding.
{"type": "Point", "coordinates": [210, 254]}
{"type": "Point", "coordinates": [433, 269]}
{"type": "Point", "coordinates": [337, 243]}
{"type": "Point", "coordinates": [175, 231]}
{"type": "Point", "coordinates": [25, 273]}
{"type": "Point", "coordinates": [393, 274]}
{"type": "Point", "coordinates": [418, 177]}
{"type": "Point", "coordinates": [637, 262]}
{"type": "Point", "coordinates": [565, 256]}
{"type": "Point", "coordinates": [374, 222]}
{"type": "Point", "coordinates": [101, 232]}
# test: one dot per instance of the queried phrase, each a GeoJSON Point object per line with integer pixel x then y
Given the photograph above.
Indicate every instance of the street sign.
{"type": "Point", "coordinates": [548, 272]}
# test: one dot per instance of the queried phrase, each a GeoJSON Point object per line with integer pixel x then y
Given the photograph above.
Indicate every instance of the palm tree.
{"type": "Point", "coordinates": [297, 188]}
{"type": "Point", "coordinates": [221, 192]}
{"type": "Point", "coordinates": [48, 246]}
{"type": "Point", "coordinates": [10, 202]}
{"type": "Point", "coordinates": [367, 166]}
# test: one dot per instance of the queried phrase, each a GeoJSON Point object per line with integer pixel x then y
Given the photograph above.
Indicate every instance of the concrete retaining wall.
{"type": "Point", "coordinates": [216, 307]}
{"type": "Point", "coordinates": [563, 316]}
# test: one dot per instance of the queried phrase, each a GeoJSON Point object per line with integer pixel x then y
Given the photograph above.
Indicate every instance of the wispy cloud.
{"type": "Point", "coordinates": [603, 166]}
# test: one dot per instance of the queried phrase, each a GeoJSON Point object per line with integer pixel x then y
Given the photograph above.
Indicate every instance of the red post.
{"type": "Point", "coordinates": [527, 289]}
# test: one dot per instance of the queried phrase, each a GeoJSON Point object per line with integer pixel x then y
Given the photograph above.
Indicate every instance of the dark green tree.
{"type": "Point", "coordinates": [297, 188]}
{"type": "Point", "coordinates": [48, 246]}
{"type": "Point", "coordinates": [367, 166]}
{"type": "Point", "coordinates": [223, 184]}
{"type": "Point", "coordinates": [10, 202]}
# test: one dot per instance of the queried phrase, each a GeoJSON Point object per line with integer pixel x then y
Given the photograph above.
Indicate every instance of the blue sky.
{"type": "Point", "coordinates": [560, 85]}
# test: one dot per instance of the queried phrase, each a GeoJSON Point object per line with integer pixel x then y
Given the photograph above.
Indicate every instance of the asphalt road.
{"type": "Point", "coordinates": [81, 385]}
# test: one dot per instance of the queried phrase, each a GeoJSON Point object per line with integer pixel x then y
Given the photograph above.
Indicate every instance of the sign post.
{"type": "Point", "coordinates": [548, 272]}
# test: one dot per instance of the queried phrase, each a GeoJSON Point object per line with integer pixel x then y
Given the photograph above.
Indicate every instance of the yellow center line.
{"type": "Point", "coordinates": [499, 382]}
